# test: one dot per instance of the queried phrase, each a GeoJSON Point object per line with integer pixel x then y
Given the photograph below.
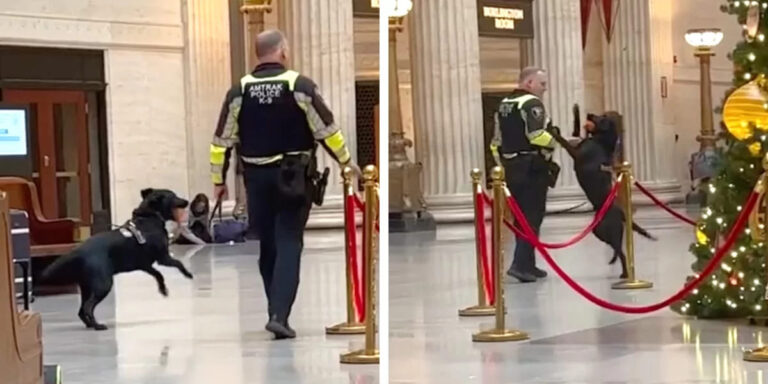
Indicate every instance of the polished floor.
{"type": "Point", "coordinates": [211, 329]}
{"type": "Point", "coordinates": [572, 340]}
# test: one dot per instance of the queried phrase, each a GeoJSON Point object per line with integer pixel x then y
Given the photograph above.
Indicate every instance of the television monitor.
{"type": "Point", "coordinates": [15, 157]}
{"type": "Point", "coordinates": [13, 132]}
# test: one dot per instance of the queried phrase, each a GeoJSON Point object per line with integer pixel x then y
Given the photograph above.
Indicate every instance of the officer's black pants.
{"type": "Point", "coordinates": [528, 182]}
{"type": "Point", "coordinates": [280, 224]}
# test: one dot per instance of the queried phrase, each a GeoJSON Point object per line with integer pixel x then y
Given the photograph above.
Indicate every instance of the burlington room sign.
{"type": "Point", "coordinates": [505, 18]}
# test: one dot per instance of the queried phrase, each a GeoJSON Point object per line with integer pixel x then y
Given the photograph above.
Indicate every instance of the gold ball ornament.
{"type": "Point", "coordinates": [746, 106]}
{"type": "Point", "coordinates": [755, 149]}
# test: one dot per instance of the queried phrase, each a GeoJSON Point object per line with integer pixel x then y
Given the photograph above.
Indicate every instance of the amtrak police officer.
{"type": "Point", "coordinates": [523, 145]}
{"type": "Point", "coordinates": [276, 116]}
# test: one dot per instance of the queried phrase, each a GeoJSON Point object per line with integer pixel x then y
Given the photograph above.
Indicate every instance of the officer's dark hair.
{"type": "Point", "coordinates": [528, 72]}
{"type": "Point", "coordinates": [268, 42]}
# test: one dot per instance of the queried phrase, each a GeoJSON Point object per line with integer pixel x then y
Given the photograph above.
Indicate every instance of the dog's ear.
{"type": "Point", "coordinates": [146, 192]}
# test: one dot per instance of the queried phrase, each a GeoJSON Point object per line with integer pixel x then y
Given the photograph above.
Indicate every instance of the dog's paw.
{"type": "Point", "coordinates": [164, 291]}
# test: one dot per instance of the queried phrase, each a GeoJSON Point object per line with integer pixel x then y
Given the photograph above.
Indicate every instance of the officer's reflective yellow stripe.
{"type": "Point", "coordinates": [289, 76]}
{"type": "Point", "coordinates": [320, 131]}
{"type": "Point", "coordinates": [495, 153]}
{"type": "Point", "coordinates": [229, 135]}
{"type": "Point", "coordinates": [541, 138]}
{"type": "Point", "coordinates": [520, 100]}
{"type": "Point", "coordinates": [217, 174]}
{"type": "Point", "coordinates": [225, 142]}
{"type": "Point", "coordinates": [218, 154]}
{"type": "Point", "coordinates": [218, 157]}
{"type": "Point", "coordinates": [496, 141]}
{"type": "Point", "coordinates": [262, 160]}
{"type": "Point", "coordinates": [272, 159]}
{"type": "Point", "coordinates": [336, 143]}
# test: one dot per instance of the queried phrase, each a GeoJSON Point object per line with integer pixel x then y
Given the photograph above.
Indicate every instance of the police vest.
{"type": "Point", "coordinates": [514, 129]}
{"type": "Point", "coordinates": [270, 121]}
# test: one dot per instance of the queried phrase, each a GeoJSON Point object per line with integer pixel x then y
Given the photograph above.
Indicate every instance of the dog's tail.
{"type": "Point", "coordinates": [637, 228]}
{"type": "Point", "coordinates": [62, 271]}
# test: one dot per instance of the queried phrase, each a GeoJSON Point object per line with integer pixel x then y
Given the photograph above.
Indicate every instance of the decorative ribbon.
{"type": "Point", "coordinates": [663, 206]}
{"type": "Point", "coordinates": [690, 286]}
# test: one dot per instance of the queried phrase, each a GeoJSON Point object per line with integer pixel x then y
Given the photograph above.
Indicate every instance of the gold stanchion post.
{"type": "Point", "coordinates": [351, 326]}
{"type": "Point", "coordinates": [482, 308]}
{"type": "Point", "coordinates": [499, 333]}
{"type": "Point", "coordinates": [369, 354]}
{"type": "Point", "coordinates": [759, 231]}
{"type": "Point", "coordinates": [631, 282]}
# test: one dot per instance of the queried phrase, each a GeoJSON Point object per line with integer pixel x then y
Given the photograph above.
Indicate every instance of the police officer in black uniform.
{"type": "Point", "coordinates": [524, 146]}
{"type": "Point", "coordinates": [276, 116]}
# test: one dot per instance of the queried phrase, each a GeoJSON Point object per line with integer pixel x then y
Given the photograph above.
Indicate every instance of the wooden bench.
{"type": "Point", "coordinates": [49, 238]}
{"type": "Point", "coordinates": [21, 346]}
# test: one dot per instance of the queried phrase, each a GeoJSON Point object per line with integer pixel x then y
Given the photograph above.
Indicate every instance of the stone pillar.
{"type": "Point", "coordinates": [206, 52]}
{"type": "Point", "coordinates": [319, 34]}
{"type": "Point", "coordinates": [557, 48]}
{"type": "Point", "coordinates": [445, 62]}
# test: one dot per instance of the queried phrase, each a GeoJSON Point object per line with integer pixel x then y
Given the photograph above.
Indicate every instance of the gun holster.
{"type": "Point", "coordinates": [553, 171]}
{"type": "Point", "coordinates": [317, 181]}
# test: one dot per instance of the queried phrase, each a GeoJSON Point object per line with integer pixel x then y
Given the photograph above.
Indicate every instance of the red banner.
{"type": "Point", "coordinates": [610, 11]}
{"type": "Point", "coordinates": [586, 11]}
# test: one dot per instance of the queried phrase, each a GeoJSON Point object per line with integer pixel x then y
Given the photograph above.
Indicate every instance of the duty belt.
{"type": "Point", "coordinates": [272, 159]}
{"type": "Point", "coordinates": [513, 155]}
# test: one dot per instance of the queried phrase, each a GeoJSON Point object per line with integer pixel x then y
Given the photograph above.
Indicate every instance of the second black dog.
{"type": "Point", "coordinates": [135, 246]}
{"type": "Point", "coordinates": [592, 158]}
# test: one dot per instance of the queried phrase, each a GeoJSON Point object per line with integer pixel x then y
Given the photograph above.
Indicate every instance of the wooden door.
{"type": "Point", "coordinates": [59, 144]}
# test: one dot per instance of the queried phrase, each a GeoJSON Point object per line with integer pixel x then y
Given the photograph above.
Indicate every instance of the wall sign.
{"type": "Point", "coordinates": [505, 18]}
{"type": "Point", "coordinates": [365, 8]}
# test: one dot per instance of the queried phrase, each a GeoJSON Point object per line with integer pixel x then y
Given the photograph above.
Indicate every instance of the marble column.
{"type": "Point", "coordinates": [206, 57]}
{"type": "Point", "coordinates": [638, 56]}
{"type": "Point", "coordinates": [445, 64]}
{"type": "Point", "coordinates": [319, 34]}
{"type": "Point", "coordinates": [557, 48]}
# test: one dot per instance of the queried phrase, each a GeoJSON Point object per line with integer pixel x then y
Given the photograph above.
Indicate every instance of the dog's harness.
{"type": "Point", "coordinates": [129, 229]}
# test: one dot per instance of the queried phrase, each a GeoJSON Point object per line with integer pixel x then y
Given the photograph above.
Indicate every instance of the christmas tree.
{"type": "Point", "coordinates": [737, 287]}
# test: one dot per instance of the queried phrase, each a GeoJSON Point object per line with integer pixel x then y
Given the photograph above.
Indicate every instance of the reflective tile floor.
{"type": "Point", "coordinates": [572, 340]}
{"type": "Point", "coordinates": [209, 330]}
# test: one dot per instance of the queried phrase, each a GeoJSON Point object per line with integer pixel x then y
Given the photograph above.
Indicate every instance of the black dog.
{"type": "Point", "coordinates": [592, 160]}
{"type": "Point", "coordinates": [137, 245]}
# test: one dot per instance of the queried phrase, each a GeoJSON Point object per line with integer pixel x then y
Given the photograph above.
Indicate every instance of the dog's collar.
{"type": "Point", "coordinates": [129, 229]}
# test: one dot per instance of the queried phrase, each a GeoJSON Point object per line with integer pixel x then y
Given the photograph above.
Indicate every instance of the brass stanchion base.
{"type": "Point", "coordinates": [632, 284]}
{"type": "Point", "coordinates": [361, 357]}
{"type": "Point", "coordinates": [759, 355]}
{"type": "Point", "coordinates": [477, 310]}
{"type": "Point", "coordinates": [346, 329]}
{"type": "Point", "coordinates": [499, 335]}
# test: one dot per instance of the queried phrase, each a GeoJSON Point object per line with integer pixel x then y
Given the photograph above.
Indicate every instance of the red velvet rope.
{"type": "Point", "coordinates": [351, 229]}
{"type": "Point", "coordinates": [488, 278]}
{"type": "Point", "coordinates": [595, 222]}
{"type": "Point", "coordinates": [663, 206]}
{"type": "Point", "coordinates": [713, 263]}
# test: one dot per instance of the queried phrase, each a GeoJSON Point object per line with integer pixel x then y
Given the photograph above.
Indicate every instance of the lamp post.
{"type": "Point", "coordinates": [253, 12]}
{"type": "Point", "coordinates": [703, 162]}
{"type": "Point", "coordinates": [407, 208]}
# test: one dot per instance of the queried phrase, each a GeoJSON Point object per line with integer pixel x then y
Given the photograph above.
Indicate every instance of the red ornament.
{"type": "Point", "coordinates": [734, 280]}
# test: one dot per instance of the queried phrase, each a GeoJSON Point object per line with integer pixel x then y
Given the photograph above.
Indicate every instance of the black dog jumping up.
{"type": "Point", "coordinates": [135, 246]}
{"type": "Point", "coordinates": [592, 159]}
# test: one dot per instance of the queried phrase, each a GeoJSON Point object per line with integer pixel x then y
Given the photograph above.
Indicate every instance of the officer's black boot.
{"type": "Point", "coordinates": [539, 273]}
{"type": "Point", "coordinates": [523, 277]}
{"type": "Point", "coordinates": [280, 329]}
